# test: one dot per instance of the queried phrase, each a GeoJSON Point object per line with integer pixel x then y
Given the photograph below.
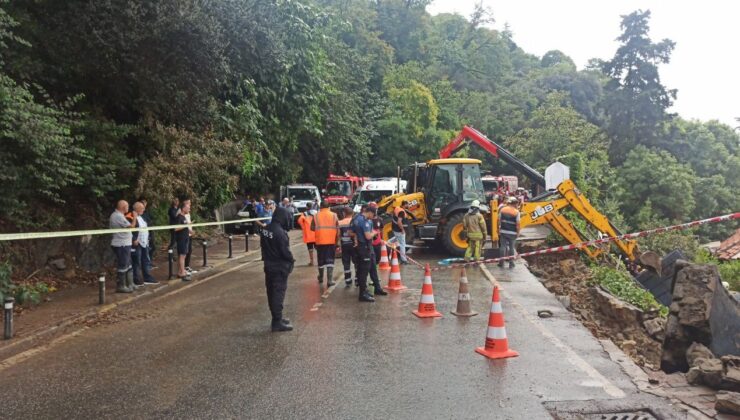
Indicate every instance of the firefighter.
{"type": "Point", "coordinates": [348, 244]}
{"type": "Point", "coordinates": [278, 264]}
{"type": "Point", "coordinates": [309, 237]}
{"type": "Point", "coordinates": [326, 228]}
{"type": "Point", "coordinates": [475, 228]}
{"type": "Point", "coordinates": [508, 229]}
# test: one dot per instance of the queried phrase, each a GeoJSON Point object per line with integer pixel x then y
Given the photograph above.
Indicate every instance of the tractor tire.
{"type": "Point", "coordinates": [451, 239]}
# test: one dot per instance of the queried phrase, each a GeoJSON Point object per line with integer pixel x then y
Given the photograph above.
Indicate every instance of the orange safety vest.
{"type": "Point", "coordinates": [304, 221]}
{"type": "Point", "coordinates": [326, 226]}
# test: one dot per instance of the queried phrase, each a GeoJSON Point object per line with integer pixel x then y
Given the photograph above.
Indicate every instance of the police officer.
{"type": "Point", "coordinates": [347, 240]}
{"type": "Point", "coordinates": [279, 261]}
{"type": "Point", "coordinates": [363, 230]}
{"type": "Point", "coordinates": [375, 221]}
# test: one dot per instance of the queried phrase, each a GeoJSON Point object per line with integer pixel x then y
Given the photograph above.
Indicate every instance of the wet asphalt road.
{"type": "Point", "coordinates": [207, 352]}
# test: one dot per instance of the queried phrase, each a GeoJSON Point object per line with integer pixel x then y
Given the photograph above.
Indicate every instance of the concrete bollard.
{"type": "Point", "coordinates": [170, 258]}
{"type": "Point", "coordinates": [205, 253]}
{"type": "Point", "coordinates": [101, 289]}
{"type": "Point", "coordinates": [246, 242]}
{"type": "Point", "coordinates": [9, 317]}
{"type": "Point", "coordinates": [231, 255]}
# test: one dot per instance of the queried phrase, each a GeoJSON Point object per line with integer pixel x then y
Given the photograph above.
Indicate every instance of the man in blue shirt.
{"type": "Point", "coordinates": [362, 227]}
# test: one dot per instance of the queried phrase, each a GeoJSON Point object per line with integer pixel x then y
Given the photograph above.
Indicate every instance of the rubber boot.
{"type": "Point", "coordinates": [321, 275]}
{"type": "Point", "coordinates": [330, 276]}
{"type": "Point", "coordinates": [130, 280]}
{"type": "Point", "coordinates": [121, 283]}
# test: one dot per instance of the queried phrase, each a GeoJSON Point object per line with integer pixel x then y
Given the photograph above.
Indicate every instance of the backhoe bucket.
{"type": "Point", "coordinates": [652, 260]}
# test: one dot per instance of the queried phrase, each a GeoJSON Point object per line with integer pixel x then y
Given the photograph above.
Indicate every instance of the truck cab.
{"type": "Point", "coordinates": [340, 188]}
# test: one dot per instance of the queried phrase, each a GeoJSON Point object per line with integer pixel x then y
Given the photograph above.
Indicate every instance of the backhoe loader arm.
{"type": "Point", "coordinates": [475, 136]}
{"type": "Point", "coordinates": [580, 204]}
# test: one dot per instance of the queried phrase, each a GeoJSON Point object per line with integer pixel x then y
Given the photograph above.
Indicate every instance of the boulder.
{"type": "Point", "coordinates": [568, 267]}
{"type": "Point", "coordinates": [728, 403]}
{"type": "Point", "coordinates": [706, 372]}
{"type": "Point", "coordinates": [59, 264]}
{"type": "Point", "coordinates": [698, 351]}
{"type": "Point", "coordinates": [730, 373]}
{"type": "Point", "coordinates": [702, 311]}
{"type": "Point", "coordinates": [655, 327]}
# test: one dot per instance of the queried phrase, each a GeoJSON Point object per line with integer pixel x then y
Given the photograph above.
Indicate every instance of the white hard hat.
{"type": "Point", "coordinates": [475, 203]}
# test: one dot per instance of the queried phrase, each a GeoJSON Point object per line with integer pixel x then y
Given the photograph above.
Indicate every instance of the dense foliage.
{"type": "Point", "coordinates": [115, 98]}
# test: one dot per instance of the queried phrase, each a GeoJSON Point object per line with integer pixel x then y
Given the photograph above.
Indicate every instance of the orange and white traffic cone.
{"type": "Point", "coordinates": [497, 345]}
{"type": "Point", "coordinates": [394, 280]}
{"type": "Point", "coordinates": [427, 308]}
{"type": "Point", "coordinates": [463, 297]}
{"type": "Point", "coordinates": [383, 263]}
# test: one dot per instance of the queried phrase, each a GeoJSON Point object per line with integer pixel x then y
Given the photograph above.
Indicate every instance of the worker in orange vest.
{"type": "Point", "coordinates": [309, 237]}
{"type": "Point", "coordinates": [326, 227]}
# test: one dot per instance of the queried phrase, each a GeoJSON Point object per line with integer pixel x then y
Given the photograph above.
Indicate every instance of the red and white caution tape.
{"type": "Point", "coordinates": [726, 217]}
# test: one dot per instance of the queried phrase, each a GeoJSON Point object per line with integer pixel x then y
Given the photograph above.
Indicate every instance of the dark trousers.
{"type": "Point", "coordinates": [349, 257]}
{"type": "Point", "coordinates": [374, 270]}
{"type": "Point", "coordinates": [276, 283]}
{"type": "Point", "coordinates": [190, 252]}
{"type": "Point", "coordinates": [123, 258]}
{"type": "Point", "coordinates": [326, 254]}
{"type": "Point", "coordinates": [364, 261]}
{"type": "Point", "coordinates": [141, 262]}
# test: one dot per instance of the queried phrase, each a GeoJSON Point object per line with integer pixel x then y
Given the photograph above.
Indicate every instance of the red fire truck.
{"type": "Point", "coordinates": [340, 188]}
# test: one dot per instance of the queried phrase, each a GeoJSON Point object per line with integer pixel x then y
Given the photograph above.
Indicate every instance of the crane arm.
{"type": "Point", "coordinates": [475, 136]}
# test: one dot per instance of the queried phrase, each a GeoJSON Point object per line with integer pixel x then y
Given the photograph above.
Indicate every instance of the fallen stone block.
{"type": "Point", "coordinates": [698, 351]}
{"type": "Point", "coordinates": [728, 403]}
{"type": "Point", "coordinates": [655, 327]}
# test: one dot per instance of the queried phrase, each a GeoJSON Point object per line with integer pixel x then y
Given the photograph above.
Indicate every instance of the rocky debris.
{"type": "Point", "coordinates": [728, 403]}
{"type": "Point", "coordinates": [707, 372]}
{"type": "Point", "coordinates": [59, 264]}
{"type": "Point", "coordinates": [731, 372]}
{"type": "Point", "coordinates": [655, 327]}
{"type": "Point", "coordinates": [698, 351]}
{"type": "Point", "coordinates": [564, 300]}
{"type": "Point", "coordinates": [606, 316]}
{"type": "Point", "coordinates": [703, 312]}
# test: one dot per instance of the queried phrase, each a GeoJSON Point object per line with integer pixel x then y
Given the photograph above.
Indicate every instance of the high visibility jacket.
{"type": "Point", "coordinates": [304, 221]}
{"type": "Point", "coordinates": [325, 226]}
{"type": "Point", "coordinates": [508, 221]}
{"type": "Point", "coordinates": [345, 227]}
{"type": "Point", "coordinates": [474, 223]}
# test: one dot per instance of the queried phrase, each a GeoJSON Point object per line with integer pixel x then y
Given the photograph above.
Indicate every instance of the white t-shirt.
{"type": "Point", "coordinates": [143, 234]}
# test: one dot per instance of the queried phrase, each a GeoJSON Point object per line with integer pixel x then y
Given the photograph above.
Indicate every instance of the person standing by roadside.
{"type": "Point", "coordinates": [172, 214]}
{"type": "Point", "coordinates": [475, 228]}
{"type": "Point", "coordinates": [278, 264]}
{"type": "Point", "coordinates": [140, 255]}
{"type": "Point", "coordinates": [326, 226]}
{"type": "Point", "coordinates": [508, 230]}
{"type": "Point", "coordinates": [288, 205]}
{"type": "Point", "coordinates": [363, 230]}
{"type": "Point", "coordinates": [376, 244]}
{"type": "Point", "coordinates": [182, 237]}
{"type": "Point", "coordinates": [147, 217]}
{"type": "Point", "coordinates": [191, 233]}
{"type": "Point", "coordinates": [121, 245]}
{"type": "Point", "coordinates": [309, 237]}
{"type": "Point", "coordinates": [347, 239]}
{"type": "Point", "coordinates": [399, 229]}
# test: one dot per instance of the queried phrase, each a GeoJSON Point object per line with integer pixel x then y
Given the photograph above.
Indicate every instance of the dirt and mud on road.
{"type": "Point", "coordinates": [607, 317]}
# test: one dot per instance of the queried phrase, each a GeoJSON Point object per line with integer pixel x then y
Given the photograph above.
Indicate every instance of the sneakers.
{"type": "Point", "coordinates": [190, 270]}
{"type": "Point", "coordinates": [153, 282]}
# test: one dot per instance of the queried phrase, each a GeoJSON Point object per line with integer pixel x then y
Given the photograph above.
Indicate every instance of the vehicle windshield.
{"type": "Point", "coordinates": [364, 197]}
{"type": "Point", "coordinates": [302, 193]}
{"type": "Point", "coordinates": [471, 183]}
{"type": "Point", "coordinates": [338, 188]}
{"type": "Point", "coordinates": [490, 185]}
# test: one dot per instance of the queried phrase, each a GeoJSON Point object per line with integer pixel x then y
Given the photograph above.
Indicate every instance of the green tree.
{"type": "Point", "coordinates": [636, 101]}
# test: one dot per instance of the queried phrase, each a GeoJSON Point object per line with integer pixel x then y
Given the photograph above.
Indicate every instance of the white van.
{"type": "Point", "coordinates": [300, 194]}
{"type": "Point", "coordinates": [376, 189]}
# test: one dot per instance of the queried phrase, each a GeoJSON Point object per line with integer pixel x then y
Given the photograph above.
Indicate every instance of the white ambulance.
{"type": "Point", "coordinates": [376, 189]}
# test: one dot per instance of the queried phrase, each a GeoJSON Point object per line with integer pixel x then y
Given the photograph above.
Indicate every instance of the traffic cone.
{"type": "Point", "coordinates": [394, 280]}
{"type": "Point", "coordinates": [427, 309]}
{"type": "Point", "coordinates": [383, 264]}
{"type": "Point", "coordinates": [497, 345]}
{"type": "Point", "coordinates": [463, 297]}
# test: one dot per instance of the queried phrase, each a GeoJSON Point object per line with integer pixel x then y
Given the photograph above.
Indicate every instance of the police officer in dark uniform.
{"type": "Point", "coordinates": [375, 248]}
{"type": "Point", "coordinates": [279, 261]}
{"type": "Point", "coordinates": [363, 230]}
